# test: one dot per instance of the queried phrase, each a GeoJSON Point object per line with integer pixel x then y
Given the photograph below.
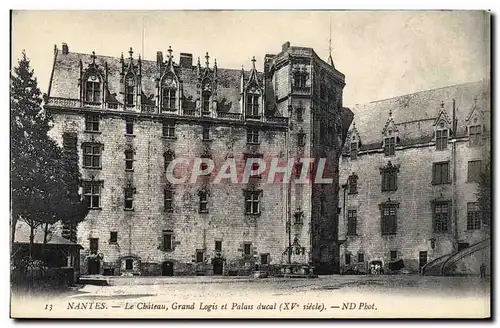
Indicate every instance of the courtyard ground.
{"type": "Point", "coordinates": [322, 297]}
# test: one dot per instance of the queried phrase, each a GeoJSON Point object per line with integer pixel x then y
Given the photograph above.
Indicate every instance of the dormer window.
{"type": "Point", "coordinates": [475, 135]}
{"type": "Point", "coordinates": [354, 150]}
{"type": "Point", "coordinates": [390, 146]}
{"type": "Point", "coordinates": [93, 89]}
{"type": "Point", "coordinates": [252, 107]}
{"type": "Point", "coordinates": [169, 98]}
{"type": "Point", "coordinates": [206, 102]}
{"type": "Point", "coordinates": [129, 90]}
{"type": "Point", "coordinates": [441, 138]}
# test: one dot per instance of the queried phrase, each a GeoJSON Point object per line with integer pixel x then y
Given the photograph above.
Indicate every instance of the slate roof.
{"type": "Point", "coordinates": [415, 114]}
{"type": "Point", "coordinates": [64, 82]}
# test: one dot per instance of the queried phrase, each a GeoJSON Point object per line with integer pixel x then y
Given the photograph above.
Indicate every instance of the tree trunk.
{"type": "Point", "coordinates": [32, 238]}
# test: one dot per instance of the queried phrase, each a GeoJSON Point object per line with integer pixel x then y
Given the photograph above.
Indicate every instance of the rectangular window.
{"type": "Point", "coordinates": [203, 202]}
{"type": "Point", "coordinates": [252, 202]}
{"type": "Point", "coordinates": [299, 80]}
{"type": "Point", "coordinates": [354, 150]}
{"type": "Point", "coordinates": [94, 245]}
{"type": "Point", "coordinates": [351, 222]}
{"type": "Point", "coordinates": [113, 236]}
{"type": "Point", "coordinates": [353, 184]}
{"type": "Point", "coordinates": [129, 91]}
{"type": "Point", "coordinates": [422, 258]}
{"type": "Point", "coordinates": [129, 126]}
{"type": "Point", "coordinates": [474, 171]}
{"type": "Point", "coordinates": [264, 259]}
{"type": "Point", "coordinates": [440, 173]}
{"type": "Point", "coordinates": [129, 198]}
{"type": "Point", "coordinates": [441, 214]}
{"type": "Point", "coordinates": [361, 257]}
{"type": "Point", "coordinates": [389, 180]}
{"type": "Point", "coordinates": [252, 106]}
{"type": "Point", "coordinates": [168, 157]}
{"type": "Point", "coordinates": [300, 114]}
{"type": "Point", "coordinates": [252, 135]}
{"type": "Point", "coordinates": [92, 123]}
{"type": "Point", "coordinates": [218, 246]}
{"type": "Point", "coordinates": [475, 135]}
{"type": "Point", "coordinates": [441, 139]}
{"type": "Point", "coordinates": [347, 259]}
{"type": "Point", "coordinates": [169, 99]}
{"type": "Point", "coordinates": [301, 139]}
{"type": "Point", "coordinates": [129, 160]}
{"type": "Point", "coordinates": [247, 249]}
{"type": "Point", "coordinates": [390, 146]}
{"type": "Point", "coordinates": [168, 240]}
{"type": "Point", "coordinates": [205, 133]}
{"type": "Point", "coordinates": [389, 220]}
{"type": "Point", "coordinates": [92, 193]}
{"type": "Point", "coordinates": [394, 255]}
{"type": "Point", "coordinates": [92, 155]}
{"type": "Point", "coordinates": [206, 103]}
{"type": "Point", "coordinates": [200, 256]}
{"type": "Point", "coordinates": [168, 199]}
{"type": "Point", "coordinates": [129, 264]}
{"type": "Point", "coordinates": [473, 218]}
{"type": "Point", "coordinates": [93, 92]}
{"type": "Point", "coordinates": [169, 129]}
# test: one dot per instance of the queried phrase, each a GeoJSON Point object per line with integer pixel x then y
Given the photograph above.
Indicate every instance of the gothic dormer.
{"type": "Point", "coordinates": [131, 81]}
{"type": "Point", "coordinates": [354, 142]}
{"type": "Point", "coordinates": [169, 86]}
{"type": "Point", "coordinates": [253, 95]}
{"type": "Point", "coordinates": [474, 125]}
{"type": "Point", "coordinates": [390, 136]}
{"type": "Point", "coordinates": [442, 125]}
{"type": "Point", "coordinates": [92, 83]}
{"type": "Point", "coordinates": [207, 87]}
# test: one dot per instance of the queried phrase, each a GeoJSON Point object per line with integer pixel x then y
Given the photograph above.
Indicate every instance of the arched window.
{"type": "Point", "coordinates": [93, 89]}
{"type": "Point", "coordinates": [129, 90]}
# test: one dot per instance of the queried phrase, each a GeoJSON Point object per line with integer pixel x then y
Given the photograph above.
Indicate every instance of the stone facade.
{"type": "Point", "coordinates": [131, 117]}
{"type": "Point", "coordinates": [430, 202]}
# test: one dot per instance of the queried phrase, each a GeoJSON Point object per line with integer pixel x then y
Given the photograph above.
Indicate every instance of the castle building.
{"type": "Point", "coordinates": [129, 119]}
{"type": "Point", "coordinates": [409, 173]}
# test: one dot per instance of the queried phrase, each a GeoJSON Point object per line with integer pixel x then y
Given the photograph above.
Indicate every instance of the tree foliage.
{"type": "Point", "coordinates": [44, 179]}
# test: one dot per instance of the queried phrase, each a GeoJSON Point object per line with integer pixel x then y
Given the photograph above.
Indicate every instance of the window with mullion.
{"type": "Point", "coordinates": [93, 91]}
{"type": "Point", "coordinates": [441, 139]}
{"type": "Point", "coordinates": [473, 218]}
{"type": "Point", "coordinates": [169, 129]}
{"type": "Point", "coordinates": [440, 173]}
{"type": "Point", "coordinates": [441, 215]}
{"type": "Point", "coordinates": [92, 193]}
{"type": "Point", "coordinates": [203, 202]}
{"type": "Point", "coordinates": [389, 146]}
{"type": "Point", "coordinates": [129, 198]}
{"type": "Point", "coordinates": [252, 202]}
{"type": "Point", "coordinates": [253, 135]}
{"type": "Point", "coordinates": [252, 105]}
{"type": "Point", "coordinates": [389, 180]}
{"type": "Point", "coordinates": [475, 135]}
{"type": "Point", "coordinates": [129, 160]}
{"type": "Point", "coordinates": [169, 98]}
{"type": "Point", "coordinates": [474, 171]}
{"type": "Point", "coordinates": [92, 156]}
{"type": "Point", "coordinates": [389, 223]}
{"type": "Point", "coordinates": [129, 91]}
{"type": "Point", "coordinates": [351, 222]}
{"type": "Point", "coordinates": [92, 123]}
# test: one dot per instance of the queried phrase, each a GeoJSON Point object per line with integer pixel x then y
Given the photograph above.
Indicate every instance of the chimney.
{"type": "Point", "coordinates": [159, 58]}
{"type": "Point", "coordinates": [65, 48]}
{"type": "Point", "coordinates": [186, 60]}
{"type": "Point", "coordinates": [285, 46]}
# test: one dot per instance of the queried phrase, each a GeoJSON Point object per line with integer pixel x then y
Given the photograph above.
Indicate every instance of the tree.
{"type": "Point", "coordinates": [42, 181]}
{"type": "Point", "coordinates": [484, 195]}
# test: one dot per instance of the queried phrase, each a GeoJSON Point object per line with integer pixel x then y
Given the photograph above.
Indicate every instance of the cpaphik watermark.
{"type": "Point", "coordinates": [241, 171]}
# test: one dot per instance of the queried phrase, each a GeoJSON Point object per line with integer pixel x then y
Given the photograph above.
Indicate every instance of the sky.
{"type": "Point", "coordinates": [382, 54]}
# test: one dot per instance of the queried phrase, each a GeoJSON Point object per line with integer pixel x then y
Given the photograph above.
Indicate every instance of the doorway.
{"type": "Point", "coordinates": [167, 269]}
{"type": "Point", "coordinates": [93, 266]}
{"type": "Point", "coordinates": [462, 246]}
{"type": "Point", "coordinates": [218, 267]}
{"type": "Point", "coordinates": [422, 259]}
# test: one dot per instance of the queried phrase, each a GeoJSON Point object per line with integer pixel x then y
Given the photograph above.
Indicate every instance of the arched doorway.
{"type": "Point", "coordinates": [218, 266]}
{"type": "Point", "coordinates": [167, 268]}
